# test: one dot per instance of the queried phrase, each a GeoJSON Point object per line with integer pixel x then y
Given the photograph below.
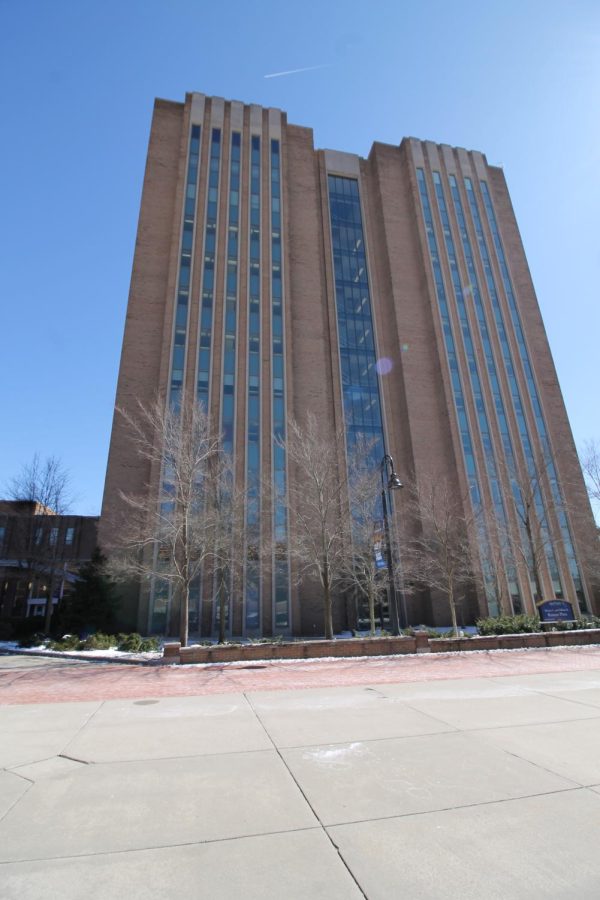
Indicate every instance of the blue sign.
{"type": "Point", "coordinates": [555, 611]}
{"type": "Point", "coordinates": [380, 562]}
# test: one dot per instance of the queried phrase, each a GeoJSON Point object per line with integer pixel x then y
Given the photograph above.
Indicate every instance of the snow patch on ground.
{"type": "Point", "coordinates": [339, 755]}
{"type": "Point", "coordinates": [112, 653]}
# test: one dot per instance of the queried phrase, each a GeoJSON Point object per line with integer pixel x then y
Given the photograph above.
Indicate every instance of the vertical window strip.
{"type": "Point", "coordinates": [476, 386]}
{"type": "Point", "coordinates": [520, 414]}
{"type": "Point", "coordinates": [252, 585]}
{"type": "Point", "coordinates": [185, 269]}
{"type": "Point", "coordinates": [230, 340]}
{"type": "Point", "coordinates": [455, 378]}
{"type": "Point", "coordinates": [208, 273]}
{"type": "Point", "coordinates": [160, 591]}
{"type": "Point", "coordinates": [281, 569]}
{"type": "Point", "coordinates": [358, 358]}
{"type": "Point", "coordinates": [457, 388]}
{"type": "Point", "coordinates": [534, 398]}
{"type": "Point", "coordinates": [231, 296]}
{"type": "Point", "coordinates": [474, 290]}
{"type": "Point", "coordinates": [356, 345]}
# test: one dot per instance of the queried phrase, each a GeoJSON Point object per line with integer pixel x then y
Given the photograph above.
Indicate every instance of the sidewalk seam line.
{"type": "Point", "coordinates": [307, 801]}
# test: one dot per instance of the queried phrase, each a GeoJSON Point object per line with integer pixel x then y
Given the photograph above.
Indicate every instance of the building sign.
{"type": "Point", "coordinates": [555, 611]}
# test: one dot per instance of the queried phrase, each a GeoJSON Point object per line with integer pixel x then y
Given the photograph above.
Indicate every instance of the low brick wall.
{"type": "Point", "coordinates": [378, 646]}
{"type": "Point", "coordinates": [292, 650]}
{"type": "Point", "coordinates": [516, 641]}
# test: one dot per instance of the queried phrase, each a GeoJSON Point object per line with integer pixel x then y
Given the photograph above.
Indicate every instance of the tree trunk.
{"type": "Point", "coordinates": [49, 607]}
{"type": "Point", "coordinates": [453, 612]}
{"type": "Point", "coordinates": [372, 611]}
{"type": "Point", "coordinates": [327, 606]}
{"type": "Point", "coordinates": [535, 565]}
{"type": "Point", "coordinates": [221, 607]}
{"type": "Point", "coordinates": [48, 610]}
{"type": "Point", "coordinates": [184, 608]}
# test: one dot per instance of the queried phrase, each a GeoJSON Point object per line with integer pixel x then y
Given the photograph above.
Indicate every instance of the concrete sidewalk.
{"type": "Point", "coordinates": [463, 788]}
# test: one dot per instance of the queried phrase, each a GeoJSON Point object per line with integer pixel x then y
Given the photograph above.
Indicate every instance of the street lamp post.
{"type": "Point", "coordinates": [393, 483]}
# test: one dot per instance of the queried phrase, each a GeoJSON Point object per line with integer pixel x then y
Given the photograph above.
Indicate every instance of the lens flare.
{"type": "Point", "coordinates": [384, 365]}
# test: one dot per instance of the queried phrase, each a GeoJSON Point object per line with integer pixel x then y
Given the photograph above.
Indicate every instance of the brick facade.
{"type": "Point", "coordinates": [418, 408]}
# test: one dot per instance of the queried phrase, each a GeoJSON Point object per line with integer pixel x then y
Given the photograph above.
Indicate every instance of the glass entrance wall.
{"type": "Point", "coordinates": [358, 357]}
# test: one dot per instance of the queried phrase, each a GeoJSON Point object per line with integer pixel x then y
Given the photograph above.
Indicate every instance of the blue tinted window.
{"type": "Point", "coordinates": [531, 386]}
{"type": "Point", "coordinates": [184, 277]}
{"type": "Point", "coordinates": [253, 401]}
{"type": "Point", "coordinates": [360, 388]}
{"type": "Point", "coordinates": [206, 314]}
{"type": "Point", "coordinates": [453, 365]}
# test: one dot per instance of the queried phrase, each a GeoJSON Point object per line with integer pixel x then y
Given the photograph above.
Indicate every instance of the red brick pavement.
{"type": "Point", "coordinates": [54, 683]}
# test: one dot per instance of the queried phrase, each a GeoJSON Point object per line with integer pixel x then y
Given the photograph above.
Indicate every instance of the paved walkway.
{"type": "Point", "coordinates": [28, 679]}
{"type": "Point", "coordinates": [456, 777]}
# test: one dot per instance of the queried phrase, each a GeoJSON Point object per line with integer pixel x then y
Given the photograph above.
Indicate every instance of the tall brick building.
{"type": "Point", "coordinates": [390, 296]}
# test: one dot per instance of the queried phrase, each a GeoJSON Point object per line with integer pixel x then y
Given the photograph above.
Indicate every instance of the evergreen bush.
{"type": "Point", "coordinates": [100, 641]}
{"type": "Point", "coordinates": [135, 643]}
{"type": "Point", "coordinates": [92, 605]}
{"type": "Point", "coordinates": [521, 624]}
{"type": "Point", "coordinates": [32, 640]}
{"type": "Point", "coordinates": [67, 642]}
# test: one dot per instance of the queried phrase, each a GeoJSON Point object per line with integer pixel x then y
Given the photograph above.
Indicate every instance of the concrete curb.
{"type": "Point", "coordinates": [84, 657]}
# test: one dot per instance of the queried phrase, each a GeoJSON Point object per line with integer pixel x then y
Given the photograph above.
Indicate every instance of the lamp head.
{"type": "Point", "coordinates": [394, 484]}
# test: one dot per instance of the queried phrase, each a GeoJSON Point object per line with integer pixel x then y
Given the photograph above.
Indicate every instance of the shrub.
{"type": "Point", "coordinates": [32, 640]}
{"type": "Point", "coordinates": [276, 639]}
{"type": "Point", "coordinates": [588, 621]}
{"type": "Point", "coordinates": [149, 645]}
{"type": "Point", "coordinates": [135, 643]}
{"type": "Point", "coordinates": [523, 624]}
{"type": "Point", "coordinates": [561, 625]}
{"type": "Point", "coordinates": [520, 624]}
{"type": "Point", "coordinates": [431, 632]}
{"type": "Point", "coordinates": [100, 641]}
{"type": "Point", "coordinates": [29, 629]}
{"type": "Point", "coordinates": [67, 642]}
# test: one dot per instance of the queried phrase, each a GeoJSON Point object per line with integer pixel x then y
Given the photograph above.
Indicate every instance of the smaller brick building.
{"type": "Point", "coordinates": [39, 551]}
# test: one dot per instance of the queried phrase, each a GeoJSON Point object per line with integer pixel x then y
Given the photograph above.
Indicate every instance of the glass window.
{"type": "Point", "coordinates": [187, 243]}
{"type": "Point", "coordinates": [459, 399]}
{"type": "Point", "coordinates": [354, 318]}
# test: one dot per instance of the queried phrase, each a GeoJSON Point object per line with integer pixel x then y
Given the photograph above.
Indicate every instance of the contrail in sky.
{"type": "Point", "coordinates": [295, 71]}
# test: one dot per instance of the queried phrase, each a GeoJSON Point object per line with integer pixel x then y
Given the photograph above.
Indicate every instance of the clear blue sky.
{"type": "Point", "coordinates": [519, 80]}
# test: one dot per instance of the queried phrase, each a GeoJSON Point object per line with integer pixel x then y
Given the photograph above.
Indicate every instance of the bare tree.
{"type": "Point", "coordinates": [43, 486]}
{"type": "Point", "coordinates": [531, 504]}
{"type": "Point", "coordinates": [364, 568]}
{"type": "Point", "coordinates": [440, 556]}
{"type": "Point", "coordinates": [589, 540]}
{"type": "Point", "coordinates": [542, 513]}
{"type": "Point", "coordinates": [176, 531]}
{"type": "Point", "coordinates": [590, 464]}
{"type": "Point", "coordinates": [320, 532]}
{"type": "Point", "coordinates": [228, 506]}
{"type": "Point", "coordinates": [44, 482]}
{"type": "Point", "coordinates": [497, 560]}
